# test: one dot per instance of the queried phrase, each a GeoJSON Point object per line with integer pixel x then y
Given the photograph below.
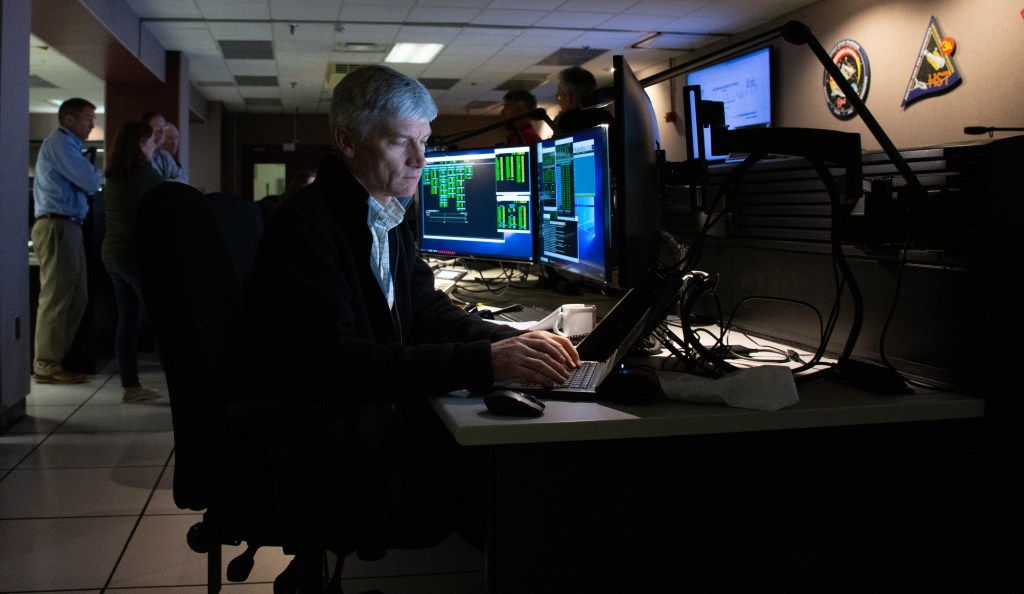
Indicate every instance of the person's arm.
{"type": "Point", "coordinates": [538, 357]}
{"type": "Point", "coordinates": [167, 167]}
{"type": "Point", "coordinates": [312, 325]}
{"type": "Point", "coordinates": [530, 357]}
{"type": "Point", "coordinates": [82, 174]}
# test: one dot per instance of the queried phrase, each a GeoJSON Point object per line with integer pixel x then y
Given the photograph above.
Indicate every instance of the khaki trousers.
{"type": "Point", "coordinates": [63, 292]}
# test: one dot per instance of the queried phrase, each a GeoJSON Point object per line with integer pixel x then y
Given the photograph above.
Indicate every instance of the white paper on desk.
{"type": "Point", "coordinates": [516, 325]}
{"type": "Point", "coordinates": [548, 323]}
{"type": "Point", "coordinates": [766, 387]}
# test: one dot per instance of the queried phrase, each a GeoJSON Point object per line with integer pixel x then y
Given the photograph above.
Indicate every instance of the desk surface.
{"type": "Point", "coordinates": [822, 404]}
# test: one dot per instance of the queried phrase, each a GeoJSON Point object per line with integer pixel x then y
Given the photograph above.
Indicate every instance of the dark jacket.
{"type": "Point", "coordinates": [322, 330]}
{"type": "Point", "coordinates": [321, 337]}
{"type": "Point", "coordinates": [578, 119]}
{"type": "Point", "coordinates": [121, 197]}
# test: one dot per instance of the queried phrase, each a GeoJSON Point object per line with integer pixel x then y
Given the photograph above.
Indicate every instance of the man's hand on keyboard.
{"type": "Point", "coordinates": [537, 357]}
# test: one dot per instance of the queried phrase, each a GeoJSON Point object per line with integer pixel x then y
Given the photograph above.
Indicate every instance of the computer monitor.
{"type": "Point", "coordinates": [478, 204]}
{"type": "Point", "coordinates": [636, 147]}
{"type": "Point", "coordinates": [743, 85]}
{"type": "Point", "coordinates": [573, 201]}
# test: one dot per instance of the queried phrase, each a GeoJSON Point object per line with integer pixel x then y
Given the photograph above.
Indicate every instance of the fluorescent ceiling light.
{"type": "Point", "coordinates": [414, 53]}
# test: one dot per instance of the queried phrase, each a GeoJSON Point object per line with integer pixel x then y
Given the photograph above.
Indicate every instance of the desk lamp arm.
{"type": "Point", "coordinates": [534, 114]}
{"type": "Point", "coordinates": [798, 33]}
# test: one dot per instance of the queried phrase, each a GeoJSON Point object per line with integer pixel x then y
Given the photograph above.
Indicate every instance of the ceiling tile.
{"type": "Point", "coordinates": [612, 6]}
{"type": "Point", "coordinates": [304, 10]}
{"type": "Point", "coordinates": [573, 20]}
{"type": "Point", "coordinates": [251, 67]}
{"type": "Point", "coordinates": [241, 30]}
{"type": "Point", "coordinates": [509, 18]}
{"type": "Point", "coordinates": [256, 81]}
{"type": "Point", "coordinates": [427, 34]}
{"type": "Point", "coordinates": [487, 43]}
{"type": "Point", "coordinates": [165, 8]}
{"type": "Point", "coordinates": [247, 50]}
{"type": "Point", "coordinates": [638, 22]}
{"type": "Point", "coordinates": [429, 14]}
{"type": "Point", "coordinates": [571, 56]}
{"type": "Point", "coordinates": [376, 13]}
{"type": "Point", "coordinates": [235, 9]}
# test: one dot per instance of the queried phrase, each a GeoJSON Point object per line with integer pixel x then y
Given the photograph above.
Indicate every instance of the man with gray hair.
{"type": "Point", "coordinates": [575, 83]}
{"type": "Point", "coordinates": [343, 315]}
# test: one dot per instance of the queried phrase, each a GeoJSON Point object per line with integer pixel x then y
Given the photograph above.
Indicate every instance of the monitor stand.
{"type": "Point", "coordinates": [552, 279]}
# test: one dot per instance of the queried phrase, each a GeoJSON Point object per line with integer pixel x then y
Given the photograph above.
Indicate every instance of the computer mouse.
{"type": "Point", "coordinates": [513, 403]}
{"type": "Point", "coordinates": [629, 387]}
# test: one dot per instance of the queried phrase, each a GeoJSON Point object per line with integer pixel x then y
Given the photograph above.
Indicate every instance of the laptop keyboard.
{"type": "Point", "coordinates": [528, 313]}
{"type": "Point", "coordinates": [581, 376]}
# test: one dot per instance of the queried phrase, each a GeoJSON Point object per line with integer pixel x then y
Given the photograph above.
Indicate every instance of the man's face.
{"type": "Point", "coordinates": [513, 108]}
{"type": "Point", "coordinates": [390, 160]}
{"type": "Point", "coordinates": [82, 124]}
{"type": "Point", "coordinates": [170, 139]}
{"type": "Point", "coordinates": [566, 98]}
{"type": "Point", "coordinates": [159, 125]}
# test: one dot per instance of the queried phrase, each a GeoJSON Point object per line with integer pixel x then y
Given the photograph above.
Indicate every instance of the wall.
{"type": "Point", "coordinates": [244, 133]}
{"type": "Point", "coordinates": [14, 314]}
{"type": "Point", "coordinates": [988, 33]}
{"type": "Point", "coordinates": [205, 150]}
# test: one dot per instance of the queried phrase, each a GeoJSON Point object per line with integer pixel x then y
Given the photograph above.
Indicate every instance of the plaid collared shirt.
{"type": "Point", "coordinates": [381, 219]}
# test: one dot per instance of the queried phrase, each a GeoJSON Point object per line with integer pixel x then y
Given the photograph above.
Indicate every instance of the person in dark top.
{"type": "Point", "coordinates": [574, 84]}
{"type": "Point", "coordinates": [342, 314]}
{"type": "Point", "coordinates": [520, 132]}
{"type": "Point", "coordinates": [130, 174]}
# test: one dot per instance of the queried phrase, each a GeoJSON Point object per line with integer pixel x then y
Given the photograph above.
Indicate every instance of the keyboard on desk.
{"type": "Point", "coordinates": [526, 313]}
{"type": "Point", "coordinates": [581, 376]}
{"type": "Point", "coordinates": [580, 379]}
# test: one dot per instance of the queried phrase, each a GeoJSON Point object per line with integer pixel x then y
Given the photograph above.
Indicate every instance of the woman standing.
{"type": "Point", "coordinates": [130, 174]}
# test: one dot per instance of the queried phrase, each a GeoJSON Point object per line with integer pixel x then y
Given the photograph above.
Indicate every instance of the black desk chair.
{"type": "Point", "coordinates": [193, 296]}
{"type": "Point", "coordinates": [265, 473]}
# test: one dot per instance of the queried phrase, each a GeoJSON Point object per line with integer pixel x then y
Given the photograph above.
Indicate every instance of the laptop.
{"type": "Point", "coordinates": [601, 351]}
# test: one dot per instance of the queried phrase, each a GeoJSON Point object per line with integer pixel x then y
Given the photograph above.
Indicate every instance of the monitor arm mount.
{"type": "Point", "coordinates": [798, 33]}
{"type": "Point", "coordinates": [447, 142]}
{"type": "Point", "coordinates": [842, 149]}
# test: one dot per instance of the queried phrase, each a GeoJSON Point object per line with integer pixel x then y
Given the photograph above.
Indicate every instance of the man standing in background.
{"type": "Point", "coordinates": [64, 179]}
{"type": "Point", "coordinates": [170, 145]}
{"type": "Point", "coordinates": [164, 162]}
{"type": "Point", "coordinates": [520, 132]}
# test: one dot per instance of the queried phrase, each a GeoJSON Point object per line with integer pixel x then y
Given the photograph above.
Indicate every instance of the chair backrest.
{"type": "Point", "coordinates": [242, 223]}
{"type": "Point", "coordinates": [193, 296]}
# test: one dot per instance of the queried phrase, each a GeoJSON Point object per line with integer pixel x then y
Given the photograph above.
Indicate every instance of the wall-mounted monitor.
{"type": "Point", "coordinates": [573, 201]}
{"type": "Point", "coordinates": [478, 204]}
{"type": "Point", "coordinates": [744, 86]}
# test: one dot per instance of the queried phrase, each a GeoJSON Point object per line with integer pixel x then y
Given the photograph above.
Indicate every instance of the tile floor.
{"type": "Point", "coordinates": [86, 506]}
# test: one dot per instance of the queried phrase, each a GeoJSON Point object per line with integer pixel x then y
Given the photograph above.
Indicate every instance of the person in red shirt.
{"type": "Point", "coordinates": [518, 102]}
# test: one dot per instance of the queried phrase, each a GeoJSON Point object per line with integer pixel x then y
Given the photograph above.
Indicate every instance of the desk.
{"type": "Point", "coordinates": [614, 498]}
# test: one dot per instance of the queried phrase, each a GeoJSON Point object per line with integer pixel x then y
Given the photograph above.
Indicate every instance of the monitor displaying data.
{"type": "Point", "coordinates": [573, 200]}
{"type": "Point", "coordinates": [478, 204]}
{"type": "Point", "coordinates": [743, 85]}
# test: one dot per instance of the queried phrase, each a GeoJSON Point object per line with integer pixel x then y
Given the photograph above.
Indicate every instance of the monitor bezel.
{"type": "Point", "coordinates": [464, 253]}
{"type": "Point", "coordinates": [604, 277]}
{"type": "Point", "coordinates": [638, 161]}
